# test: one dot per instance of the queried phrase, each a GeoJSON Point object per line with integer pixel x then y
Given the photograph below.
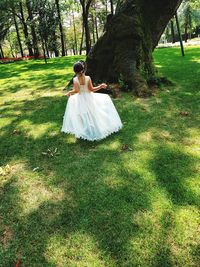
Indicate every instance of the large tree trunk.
{"type": "Point", "coordinates": [25, 30]}
{"type": "Point", "coordinates": [125, 49]}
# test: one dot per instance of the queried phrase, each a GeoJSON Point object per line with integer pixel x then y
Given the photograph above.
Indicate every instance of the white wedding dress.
{"type": "Point", "coordinates": [90, 116]}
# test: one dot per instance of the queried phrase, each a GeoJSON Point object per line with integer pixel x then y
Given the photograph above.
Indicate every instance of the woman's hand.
{"type": "Point", "coordinates": [68, 94]}
{"type": "Point", "coordinates": [103, 85]}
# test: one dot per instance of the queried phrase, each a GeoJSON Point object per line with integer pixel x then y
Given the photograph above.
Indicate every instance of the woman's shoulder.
{"type": "Point", "coordinates": [88, 77]}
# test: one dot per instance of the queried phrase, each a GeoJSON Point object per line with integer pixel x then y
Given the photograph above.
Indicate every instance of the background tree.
{"type": "Point", "coordinates": [4, 29]}
{"type": "Point", "coordinates": [60, 27]}
{"type": "Point", "coordinates": [85, 4]}
{"type": "Point", "coordinates": [25, 28]}
{"type": "Point", "coordinates": [30, 7]}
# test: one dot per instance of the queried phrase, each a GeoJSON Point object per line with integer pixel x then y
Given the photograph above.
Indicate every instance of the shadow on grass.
{"type": "Point", "coordinates": [91, 204]}
{"type": "Point", "coordinates": [173, 169]}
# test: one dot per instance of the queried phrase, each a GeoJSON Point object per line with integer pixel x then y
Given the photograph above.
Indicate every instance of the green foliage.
{"type": "Point", "coordinates": [46, 23]}
{"type": "Point", "coordinates": [122, 84]}
{"type": "Point", "coordinates": [129, 200]}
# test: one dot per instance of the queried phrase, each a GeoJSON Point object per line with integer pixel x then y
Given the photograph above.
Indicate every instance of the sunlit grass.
{"type": "Point", "coordinates": [130, 200]}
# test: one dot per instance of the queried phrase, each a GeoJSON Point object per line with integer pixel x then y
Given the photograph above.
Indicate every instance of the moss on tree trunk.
{"type": "Point", "coordinates": [125, 49]}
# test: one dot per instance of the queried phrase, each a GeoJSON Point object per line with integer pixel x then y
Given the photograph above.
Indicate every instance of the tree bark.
{"type": "Point", "coordinates": [17, 31]}
{"type": "Point", "coordinates": [25, 30]}
{"type": "Point", "coordinates": [33, 33]}
{"type": "Point", "coordinates": [1, 51]}
{"type": "Point", "coordinates": [61, 28]}
{"type": "Point", "coordinates": [125, 49]}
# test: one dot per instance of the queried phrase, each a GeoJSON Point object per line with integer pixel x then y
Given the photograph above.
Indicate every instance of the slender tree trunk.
{"type": "Point", "coordinates": [106, 4]}
{"type": "Point", "coordinates": [96, 27]}
{"type": "Point", "coordinates": [87, 31]}
{"type": "Point", "coordinates": [74, 51]}
{"type": "Point", "coordinates": [179, 34]}
{"type": "Point", "coordinates": [44, 52]}
{"type": "Point", "coordinates": [186, 32]}
{"type": "Point", "coordinates": [172, 32]}
{"type": "Point", "coordinates": [82, 37]}
{"type": "Point", "coordinates": [1, 50]}
{"type": "Point", "coordinates": [85, 12]}
{"type": "Point", "coordinates": [111, 7]}
{"type": "Point", "coordinates": [25, 30]}
{"type": "Point", "coordinates": [11, 48]}
{"type": "Point", "coordinates": [17, 31]}
{"type": "Point", "coordinates": [125, 49]}
{"type": "Point", "coordinates": [46, 48]}
{"type": "Point", "coordinates": [93, 28]}
{"type": "Point", "coordinates": [61, 28]}
{"type": "Point", "coordinates": [74, 29]}
{"type": "Point", "coordinates": [33, 33]}
{"type": "Point", "coordinates": [55, 49]}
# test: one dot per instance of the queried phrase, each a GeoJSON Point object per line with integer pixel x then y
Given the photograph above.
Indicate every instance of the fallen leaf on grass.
{"type": "Point", "coordinates": [35, 169]}
{"type": "Point", "coordinates": [16, 132]}
{"type": "Point", "coordinates": [144, 109]}
{"type": "Point", "coordinates": [92, 148]}
{"type": "Point", "coordinates": [51, 152]}
{"type": "Point", "coordinates": [184, 113]}
{"type": "Point", "coordinates": [125, 147]}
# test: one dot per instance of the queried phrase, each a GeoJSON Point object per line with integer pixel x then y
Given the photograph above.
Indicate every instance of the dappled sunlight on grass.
{"type": "Point", "coordinates": [60, 247]}
{"type": "Point", "coordinates": [36, 131]}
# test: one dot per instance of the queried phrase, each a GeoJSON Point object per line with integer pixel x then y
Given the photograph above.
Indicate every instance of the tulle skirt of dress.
{"type": "Point", "coordinates": [91, 116]}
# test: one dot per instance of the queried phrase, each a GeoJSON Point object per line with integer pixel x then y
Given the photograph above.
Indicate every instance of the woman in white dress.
{"type": "Point", "coordinates": [88, 115]}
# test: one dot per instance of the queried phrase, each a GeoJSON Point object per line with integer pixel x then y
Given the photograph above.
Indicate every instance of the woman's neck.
{"type": "Point", "coordinates": [80, 75]}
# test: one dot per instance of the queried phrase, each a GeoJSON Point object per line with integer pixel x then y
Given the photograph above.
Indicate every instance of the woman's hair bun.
{"type": "Point", "coordinates": [79, 67]}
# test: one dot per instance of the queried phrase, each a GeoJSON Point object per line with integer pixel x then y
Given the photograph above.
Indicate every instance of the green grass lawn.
{"type": "Point", "coordinates": [68, 202]}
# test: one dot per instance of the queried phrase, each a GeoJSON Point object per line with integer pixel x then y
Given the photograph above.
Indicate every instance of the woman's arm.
{"type": "Point", "coordinates": [94, 89]}
{"type": "Point", "coordinates": [75, 89]}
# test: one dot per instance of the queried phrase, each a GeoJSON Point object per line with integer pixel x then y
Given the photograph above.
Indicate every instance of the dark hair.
{"type": "Point", "coordinates": [79, 67]}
